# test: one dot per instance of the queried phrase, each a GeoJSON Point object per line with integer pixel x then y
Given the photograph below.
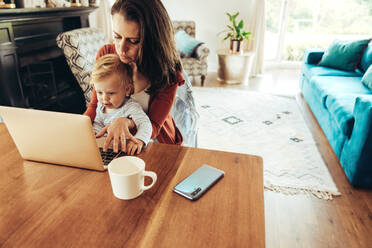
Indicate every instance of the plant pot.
{"type": "Point", "coordinates": [235, 46]}
{"type": "Point", "coordinates": [94, 3]}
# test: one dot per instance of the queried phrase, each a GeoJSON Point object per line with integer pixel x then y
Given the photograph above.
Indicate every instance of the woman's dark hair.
{"type": "Point", "coordinates": [158, 58]}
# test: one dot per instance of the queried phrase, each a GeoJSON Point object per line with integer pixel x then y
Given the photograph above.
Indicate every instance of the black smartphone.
{"type": "Point", "coordinates": [196, 184]}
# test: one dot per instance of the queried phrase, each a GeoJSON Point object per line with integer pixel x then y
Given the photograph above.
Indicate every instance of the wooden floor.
{"type": "Point", "coordinates": [301, 220]}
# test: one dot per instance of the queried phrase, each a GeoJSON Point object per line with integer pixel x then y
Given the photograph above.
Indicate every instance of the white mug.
{"type": "Point", "coordinates": [127, 177]}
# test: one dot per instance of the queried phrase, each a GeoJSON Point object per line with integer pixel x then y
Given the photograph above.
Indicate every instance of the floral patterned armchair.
{"type": "Point", "coordinates": [195, 67]}
{"type": "Point", "coordinates": [80, 47]}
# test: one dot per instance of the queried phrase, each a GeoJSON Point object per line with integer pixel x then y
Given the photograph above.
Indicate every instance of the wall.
{"type": "Point", "coordinates": [210, 17]}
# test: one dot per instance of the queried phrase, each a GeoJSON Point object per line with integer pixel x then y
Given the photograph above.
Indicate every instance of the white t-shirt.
{"type": "Point", "coordinates": [143, 99]}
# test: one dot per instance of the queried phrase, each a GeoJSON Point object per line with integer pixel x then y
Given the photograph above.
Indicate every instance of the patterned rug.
{"type": "Point", "coordinates": [271, 127]}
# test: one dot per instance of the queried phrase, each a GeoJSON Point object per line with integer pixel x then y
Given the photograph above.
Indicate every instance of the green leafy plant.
{"type": "Point", "coordinates": [235, 31]}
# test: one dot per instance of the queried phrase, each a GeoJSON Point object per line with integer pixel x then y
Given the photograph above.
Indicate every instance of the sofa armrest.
{"type": "Point", "coordinates": [202, 52]}
{"type": "Point", "coordinates": [313, 56]}
{"type": "Point", "coordinates": [356, 155]}
{"type": "Point", "coordinates": [363, 120]}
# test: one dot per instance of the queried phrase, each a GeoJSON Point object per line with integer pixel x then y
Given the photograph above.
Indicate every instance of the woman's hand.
{"type": "Point", "coordinates": [118, 132]}
{"type": "Point", "coordinates": [133, 147]}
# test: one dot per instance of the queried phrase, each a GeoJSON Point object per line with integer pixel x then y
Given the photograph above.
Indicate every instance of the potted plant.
{"type": "Point", "coordinates": [235, 32]}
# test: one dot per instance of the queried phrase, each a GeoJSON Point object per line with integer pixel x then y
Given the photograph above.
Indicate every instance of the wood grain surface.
{"type": "Point", "coordinates": [45, 205]}
{"type": "Point", "coordinates": [304, 221]}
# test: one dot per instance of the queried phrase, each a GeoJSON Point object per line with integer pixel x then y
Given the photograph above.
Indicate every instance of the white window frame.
{"type": "Point", "coordinates": [277, 62]}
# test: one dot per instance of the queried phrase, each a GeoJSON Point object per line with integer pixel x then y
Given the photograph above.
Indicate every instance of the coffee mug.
{"type": "Point", "coordinates": [127, 177]}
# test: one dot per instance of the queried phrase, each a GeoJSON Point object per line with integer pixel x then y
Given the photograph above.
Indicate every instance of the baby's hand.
{"type": "Point", "coordinates": [133, 147]}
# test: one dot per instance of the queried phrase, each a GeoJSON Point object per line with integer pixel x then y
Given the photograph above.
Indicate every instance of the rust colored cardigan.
{"type": "Point", "coordinates": [163, 127]}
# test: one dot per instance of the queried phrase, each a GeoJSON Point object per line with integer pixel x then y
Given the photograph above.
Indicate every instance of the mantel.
{"type": "Point", "coordinates": [27, 43]}
{"type": "Point", "coordinates": [9, 14]}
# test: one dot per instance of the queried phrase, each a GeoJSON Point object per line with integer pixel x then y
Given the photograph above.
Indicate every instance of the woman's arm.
{"type": "Point", "coordinates": [91, 110]}
{"type": "Point", "coordinates": [160, 108]}
{"type": "Point", "coordinates": [161, 105]}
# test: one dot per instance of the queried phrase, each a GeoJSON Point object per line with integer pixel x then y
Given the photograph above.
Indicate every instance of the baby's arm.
{"type": "Point", "coordinates": [142, 121]}
{"type": "Point", "coordinates": [98, 122]}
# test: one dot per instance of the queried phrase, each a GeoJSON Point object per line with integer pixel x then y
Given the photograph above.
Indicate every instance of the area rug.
{"type": "Point", "coordinates": [271, 127]}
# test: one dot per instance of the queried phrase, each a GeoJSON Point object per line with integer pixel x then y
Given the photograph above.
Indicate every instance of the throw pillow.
{"type": "Point", "coordinates": [344, 55]}
{"type": "Point", "coordinates": [367, 78]}
{"type": "Point", "coordinates": [366, 59]}
{"type": "Point", "coordinates": [186, 44]}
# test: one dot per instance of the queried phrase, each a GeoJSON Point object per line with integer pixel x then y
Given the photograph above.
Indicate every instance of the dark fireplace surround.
{"type": "Point", "coordinates": [33, 70]}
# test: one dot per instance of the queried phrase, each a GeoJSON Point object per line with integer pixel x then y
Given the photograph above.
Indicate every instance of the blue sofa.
{"type": "Point", "coordinates": [342, 104]}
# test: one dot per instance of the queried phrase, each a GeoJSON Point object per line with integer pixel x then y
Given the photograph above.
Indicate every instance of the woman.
{"type": "Point", "coordinates": [143, 38]}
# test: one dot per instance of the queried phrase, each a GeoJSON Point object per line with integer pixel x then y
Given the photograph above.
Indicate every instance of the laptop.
{"type": "Point", "coordinates": [55, 138]}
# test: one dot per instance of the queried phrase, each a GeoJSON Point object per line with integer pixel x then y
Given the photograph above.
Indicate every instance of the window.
{"type": "Point", "coordinates": [295, 25]}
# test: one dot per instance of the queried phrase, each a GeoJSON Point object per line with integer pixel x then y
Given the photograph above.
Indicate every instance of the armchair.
{"type": "Point", "coordinates": [195, 67]}
{"type": "Point", "coordinates": [80, 47]}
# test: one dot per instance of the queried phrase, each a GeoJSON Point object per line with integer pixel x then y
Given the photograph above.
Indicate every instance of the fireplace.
{"type": "Point", "coordinates": [49, 85]}
{"type": "Point", "coordinates": [33, 71]}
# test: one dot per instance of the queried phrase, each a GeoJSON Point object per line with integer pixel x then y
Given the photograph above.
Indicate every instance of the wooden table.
{"type": "Point", "coordinates": [43, 205]}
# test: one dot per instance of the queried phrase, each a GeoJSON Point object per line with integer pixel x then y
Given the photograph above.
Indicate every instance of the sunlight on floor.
{"type": "Point", "coordinates": [273, 81]}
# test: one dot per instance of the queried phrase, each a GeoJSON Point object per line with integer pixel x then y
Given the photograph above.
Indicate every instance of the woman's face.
{"type": "Point", "coordinates": [126, 38]}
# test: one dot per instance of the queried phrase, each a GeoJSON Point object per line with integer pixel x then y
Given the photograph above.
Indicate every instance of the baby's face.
{"type": "Point", "coordinates": [111, 91]}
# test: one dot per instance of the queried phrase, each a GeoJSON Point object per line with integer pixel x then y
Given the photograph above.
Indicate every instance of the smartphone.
{"type": "Point", "coordinates": [196, 184]}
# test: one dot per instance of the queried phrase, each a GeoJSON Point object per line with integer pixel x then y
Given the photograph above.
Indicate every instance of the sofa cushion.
{"type": "Point", "coordinates": [314, 70]}
{"type": "Point", "coordinates": [313, 56]}
{"type": "Point", "coordinates": [367, 78]}
{"type": "Point", "coordinates": [344, 55]}
{"type": "Point", "coordinates": [366, 59]}
{"type": "Point", "coordinates": [331, 85]}
{"type": "Point", "coordinates": [186, 44]}
{"type": "Point", "coordinates": [340, 108]}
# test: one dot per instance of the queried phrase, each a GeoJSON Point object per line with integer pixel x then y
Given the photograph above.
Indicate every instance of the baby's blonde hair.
{"type": "Point", "coordinates": [109, 64]}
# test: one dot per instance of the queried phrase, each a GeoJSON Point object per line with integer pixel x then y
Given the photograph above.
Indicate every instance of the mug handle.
{"type": "Point", "coordinates": [153, 176]}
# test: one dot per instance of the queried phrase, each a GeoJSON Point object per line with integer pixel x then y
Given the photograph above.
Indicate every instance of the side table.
{"type": "Point", "coordinates": [234, 67]}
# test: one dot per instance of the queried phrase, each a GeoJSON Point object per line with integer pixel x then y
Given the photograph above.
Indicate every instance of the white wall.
{"type": "Point", "coordinates": [210, 18]}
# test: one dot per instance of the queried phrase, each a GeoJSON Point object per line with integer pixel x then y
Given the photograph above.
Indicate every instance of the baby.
{"type": "Point", "coordinates": [113, 82]}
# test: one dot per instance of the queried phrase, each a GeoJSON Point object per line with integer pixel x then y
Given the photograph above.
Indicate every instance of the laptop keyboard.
{"type": "Point", "coordinates": [108, 156]}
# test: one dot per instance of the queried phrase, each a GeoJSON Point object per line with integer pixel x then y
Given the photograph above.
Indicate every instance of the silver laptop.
{"type": "Point", "coordinates": [52, 137]}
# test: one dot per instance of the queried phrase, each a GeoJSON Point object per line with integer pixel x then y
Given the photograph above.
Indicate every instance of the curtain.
{"type": "Point", "coordinates": [256, 24]}
{"type": "Point", "coordinates": [101, 18]}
